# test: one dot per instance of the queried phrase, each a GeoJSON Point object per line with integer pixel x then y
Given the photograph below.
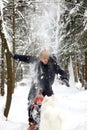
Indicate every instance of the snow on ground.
{"type": "Point", "coordinates": [66, 110]}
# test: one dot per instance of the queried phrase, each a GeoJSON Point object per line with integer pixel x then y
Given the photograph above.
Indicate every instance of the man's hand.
{"type": "Point", "coordinates": [66, 82]}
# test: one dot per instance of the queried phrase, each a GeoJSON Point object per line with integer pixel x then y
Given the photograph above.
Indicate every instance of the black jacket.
{"type": "Point", "coordinates": [45, 72]}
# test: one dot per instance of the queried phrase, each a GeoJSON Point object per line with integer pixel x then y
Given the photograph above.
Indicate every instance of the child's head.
{"type": "Point", "coordinates": [44, 56]}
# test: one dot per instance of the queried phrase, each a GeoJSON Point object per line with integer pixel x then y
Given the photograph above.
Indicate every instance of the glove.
{"type": "Point", "coordinates": [66, 82]}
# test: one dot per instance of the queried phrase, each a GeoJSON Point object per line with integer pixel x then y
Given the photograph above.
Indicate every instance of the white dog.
{"type": "Point", "coordinates": [50, 115]}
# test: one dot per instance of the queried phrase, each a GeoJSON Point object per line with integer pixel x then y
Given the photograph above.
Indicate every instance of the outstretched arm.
{"type": "Point", "coordinates": [24, 58]}
{"type": "Point", "coordinates": [63, 74]}
{"type": "Point", "coordinates": [63, 77]}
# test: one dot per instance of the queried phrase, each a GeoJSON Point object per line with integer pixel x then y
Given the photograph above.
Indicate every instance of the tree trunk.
{"type": "Point", "coordinates": [75, 72]}
{"type": "Point", "coordinates": [9, 73]}
{"type": "Point", "coordinates": [13, 25]}
{"type": "Point", "coordinates": [2, 71]}
{"type": "Point", "coordinates": [85, 70]}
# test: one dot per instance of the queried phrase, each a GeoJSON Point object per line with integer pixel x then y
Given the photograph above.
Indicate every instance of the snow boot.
{"type": "Point", "coordinates": [31, 126]}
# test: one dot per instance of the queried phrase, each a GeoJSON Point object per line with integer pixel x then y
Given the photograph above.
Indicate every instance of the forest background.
{"type": "Point", "coordinates": [28, 26]}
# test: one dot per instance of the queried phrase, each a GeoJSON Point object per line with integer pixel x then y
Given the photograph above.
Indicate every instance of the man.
{"type": "Point", "coordinates": [46, 68]}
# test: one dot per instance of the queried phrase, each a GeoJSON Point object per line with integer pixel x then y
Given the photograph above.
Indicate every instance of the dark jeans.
{"type": "Point", "coordinates": [47, 92]}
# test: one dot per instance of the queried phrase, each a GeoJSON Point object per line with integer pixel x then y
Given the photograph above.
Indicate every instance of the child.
{"type": "Point", "coordinates": [34, 113]}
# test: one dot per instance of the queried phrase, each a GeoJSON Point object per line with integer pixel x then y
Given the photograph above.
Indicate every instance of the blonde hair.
{"type": "Point", "coordinates": [44, 54]}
